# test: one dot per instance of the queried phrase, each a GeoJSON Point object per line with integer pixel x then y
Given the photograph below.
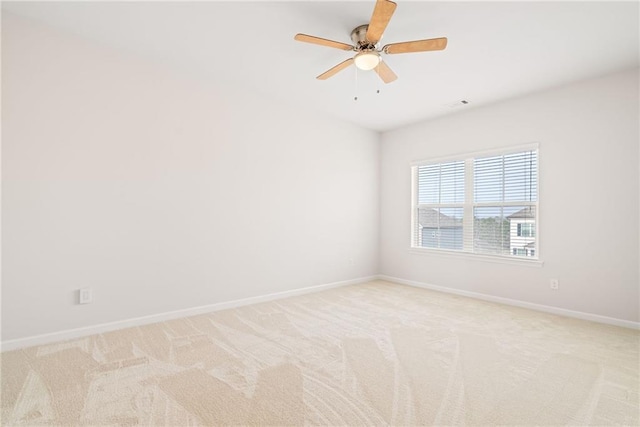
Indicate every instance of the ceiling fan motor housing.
{"type": "Point", "coordinates": [359, 38]}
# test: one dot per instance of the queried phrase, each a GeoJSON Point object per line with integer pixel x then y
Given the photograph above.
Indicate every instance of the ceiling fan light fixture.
{"type": "Point", "coordinates": [367, 60]}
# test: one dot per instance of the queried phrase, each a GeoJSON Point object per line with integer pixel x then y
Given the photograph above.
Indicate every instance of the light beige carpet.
{"type": "Point", "coordinates": [371, 354]}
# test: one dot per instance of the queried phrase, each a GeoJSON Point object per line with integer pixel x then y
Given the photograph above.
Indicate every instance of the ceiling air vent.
{"type": "Point", "coordinates": [457, 103]}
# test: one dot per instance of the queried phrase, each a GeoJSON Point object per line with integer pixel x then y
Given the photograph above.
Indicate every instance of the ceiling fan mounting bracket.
{"type": "Point", "coordinates": [359, 38]}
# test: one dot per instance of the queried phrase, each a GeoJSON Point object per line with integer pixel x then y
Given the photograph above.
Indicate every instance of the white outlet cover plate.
{"type": "Point", "coordinates": [86, 296]}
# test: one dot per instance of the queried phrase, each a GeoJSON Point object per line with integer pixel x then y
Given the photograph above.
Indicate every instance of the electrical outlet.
{"type": "Point", "coordinates": [85, 296]}
{"type": "Point", "coordinates": [554, 284]}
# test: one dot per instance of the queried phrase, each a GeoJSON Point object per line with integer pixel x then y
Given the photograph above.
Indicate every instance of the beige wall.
{"type": "Point", "coordinates": [588, 234]}
{"type": "Point", "coordinates": [162, 193]}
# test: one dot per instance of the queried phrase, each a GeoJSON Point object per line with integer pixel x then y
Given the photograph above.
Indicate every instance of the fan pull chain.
{"type": "Point", "coordinates": [355, 98]}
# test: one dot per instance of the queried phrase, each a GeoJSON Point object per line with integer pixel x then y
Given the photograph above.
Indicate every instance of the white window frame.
{"type": "Point", "coordinates": [469, 204]}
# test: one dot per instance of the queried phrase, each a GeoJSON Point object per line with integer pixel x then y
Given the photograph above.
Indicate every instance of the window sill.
{"type": "Point", "coordinates": [477, 257]}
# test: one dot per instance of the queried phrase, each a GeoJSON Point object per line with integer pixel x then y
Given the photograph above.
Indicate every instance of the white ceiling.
{"type": "Point", "coordinates": [496, 50]}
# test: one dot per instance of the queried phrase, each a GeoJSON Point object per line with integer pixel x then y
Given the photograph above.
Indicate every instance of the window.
{"type": "Point", "coordinates": [480, 204]}
{"type": "Point", "coordinates": [440, 205]}
{"type": "Point", "coordinates": [526, 230]}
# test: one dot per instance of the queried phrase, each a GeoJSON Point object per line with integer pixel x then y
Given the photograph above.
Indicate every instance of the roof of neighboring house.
{"type": "Point", "coordinates": [530, 245]}
{"type": "Point", "coordinates": [528, 213]}
{"type": "Point", "coordinates": [431, 218]}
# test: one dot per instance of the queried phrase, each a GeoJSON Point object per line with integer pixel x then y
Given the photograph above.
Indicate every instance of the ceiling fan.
{"type": "Point", "coordinates": [366, 37]}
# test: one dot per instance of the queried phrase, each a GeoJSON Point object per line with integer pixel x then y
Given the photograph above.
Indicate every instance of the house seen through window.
{"type": "Point", "coordinates": [481, 204]}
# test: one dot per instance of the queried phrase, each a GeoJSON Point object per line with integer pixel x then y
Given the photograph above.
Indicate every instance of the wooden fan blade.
{"type": "Point", "coordinates": [416, 46]}
{"type": "Point", "coordinates": [323, 42]}
{"type": "Point", "coordinates": [382, 13]}
{"type": "Point", "coordinates": [341, 66]}
{"type": "Point", "coordinates": [385, 73]}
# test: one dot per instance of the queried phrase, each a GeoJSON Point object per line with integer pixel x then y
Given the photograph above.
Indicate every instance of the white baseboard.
{"type": "Point", "coordinates": [508, 301]}
{"type": "Point", "coordinates": [160, 317]}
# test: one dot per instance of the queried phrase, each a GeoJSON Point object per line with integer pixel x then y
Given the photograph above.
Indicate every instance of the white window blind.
{"type": "Point", "coordinates": [440, 209]}
{"type": "Point", "coordinates": [483, 204]}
